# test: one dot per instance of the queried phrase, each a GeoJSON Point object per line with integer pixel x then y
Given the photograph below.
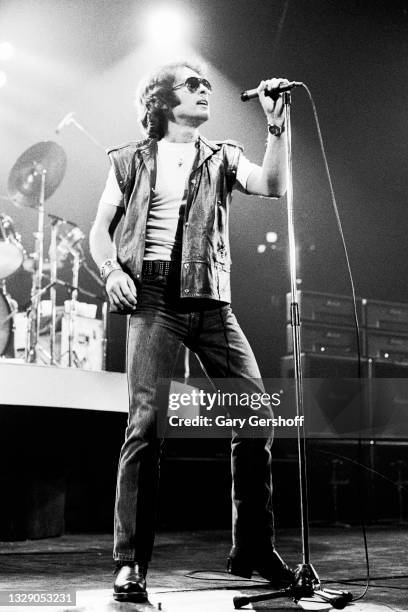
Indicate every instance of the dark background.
{"type": "Point", "coordinates": [87, 56]}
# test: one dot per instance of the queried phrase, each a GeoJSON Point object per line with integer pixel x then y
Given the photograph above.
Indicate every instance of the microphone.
{"type": "Point", "coordinates": [61, 220]}
{"type": "Point", "coordinates": [273, 93]}
{"type": "Point", "coordinates": [64, 122]}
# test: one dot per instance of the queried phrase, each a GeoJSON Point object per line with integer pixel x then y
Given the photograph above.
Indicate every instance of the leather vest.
{"type": "Point", "coordinates": [205, 259]}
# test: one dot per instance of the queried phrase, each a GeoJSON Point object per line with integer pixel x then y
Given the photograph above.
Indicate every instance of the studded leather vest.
{"type": "Point", "coordinates": [205, 259]}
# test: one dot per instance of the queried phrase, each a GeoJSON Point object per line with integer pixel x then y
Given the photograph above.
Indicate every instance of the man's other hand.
{"type": "Point", "coordinates": [121, 290]}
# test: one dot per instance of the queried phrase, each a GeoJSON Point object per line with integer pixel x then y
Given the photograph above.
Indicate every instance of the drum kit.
{"type": "Point", "coordinates": [35, 176]}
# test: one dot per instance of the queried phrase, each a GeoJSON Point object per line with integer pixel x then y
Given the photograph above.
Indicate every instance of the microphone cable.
{"type": "Point", "coordinates": [355, 317]}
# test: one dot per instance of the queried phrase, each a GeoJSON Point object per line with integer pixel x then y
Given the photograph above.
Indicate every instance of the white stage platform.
{"type": "Point", "coordinates": [24, 384]}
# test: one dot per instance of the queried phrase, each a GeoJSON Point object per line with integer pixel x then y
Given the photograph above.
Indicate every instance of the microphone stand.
{"type": "Point", "coordinates": [306, 583]}
{"type": "Point", "coordinates": [84, 131]}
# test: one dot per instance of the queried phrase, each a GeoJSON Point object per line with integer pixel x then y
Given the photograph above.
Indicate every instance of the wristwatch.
{"type": "Point", "coordinates": [276, 130]}
{"type": "Point", "coordinates": [109, 266]}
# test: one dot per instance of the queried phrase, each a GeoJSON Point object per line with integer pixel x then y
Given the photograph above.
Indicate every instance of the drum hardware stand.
{"type": "Point", "coordinates": [33, 330]}
{"type": "Point", "coordinates": [96, 142]}
{"type": "Point", "coordinates": [69, 288]}
{"type": "Point", "coordinates": [34, 177]}
{"type": "Point", "coordinates": [70, 244]}
{"type": "Point", "coordinates": [306, 583]}
{"type": "Point", "coordinates": [73, 288]}
{"type": "Point", "coordinates": [102, 299]}
{"type": "Point", "coordinates": [34, 346]}
{"type": "Point", "coordinates": [79, 259]}
{"type": "Point", "coordinates": [55, 222]}
{"type": "Point", "coordinates": [73, 307]}
{"type": "Point", "coordinates": [76, 251]}
{"type": "Point", "coordinates": [72, 356]}
{"type": "Point", "coordinates": [61, 219]}
{"type": "Point", "coordinates": [104, 310]}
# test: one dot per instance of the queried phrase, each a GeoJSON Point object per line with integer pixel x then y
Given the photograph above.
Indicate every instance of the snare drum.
{"type": "Point", "coordinates": [7, 308]}
{"type": "Point", "coordinates": [11, 249]}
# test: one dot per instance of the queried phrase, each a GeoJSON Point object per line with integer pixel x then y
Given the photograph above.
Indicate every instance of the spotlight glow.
{"type": "Point", "coordinates": [3, 78]}
{"type": "Point", "coordinates": [6, 51]}
{"type": "Point", "coordinates": [271, 237]}
{"type": "Point", "coordinates": [165, 26]}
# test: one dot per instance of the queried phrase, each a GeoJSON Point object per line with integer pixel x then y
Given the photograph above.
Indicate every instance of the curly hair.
{"type": "Point", "coordinates": [155, 96]}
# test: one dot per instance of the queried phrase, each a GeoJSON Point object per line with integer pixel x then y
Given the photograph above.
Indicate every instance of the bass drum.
{"type": "Point", "coordinates": [7, 308]}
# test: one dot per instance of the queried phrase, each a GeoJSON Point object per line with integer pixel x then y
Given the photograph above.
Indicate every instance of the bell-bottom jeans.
{"type": "Point", "coordinates": [161, 324]}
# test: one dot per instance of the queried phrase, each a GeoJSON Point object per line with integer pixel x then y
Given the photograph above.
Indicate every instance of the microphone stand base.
{"type": "Point", "coordinates": [306, 580]}
{"type": "Point", "coordinates": [306, 589]}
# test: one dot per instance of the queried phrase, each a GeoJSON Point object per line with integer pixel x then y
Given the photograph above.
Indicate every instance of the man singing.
{"type": "Point", "coordinates": [172, 274]}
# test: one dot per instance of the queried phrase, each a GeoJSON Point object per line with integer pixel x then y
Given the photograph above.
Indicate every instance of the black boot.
{"type": "Point", "coordinates": [267, 562]}
{"type": "Point", "coordinates": [130, 583]}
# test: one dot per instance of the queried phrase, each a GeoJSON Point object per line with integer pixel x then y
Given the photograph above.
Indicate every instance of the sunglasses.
{"type": "Point", "coordinates": [193, 83]}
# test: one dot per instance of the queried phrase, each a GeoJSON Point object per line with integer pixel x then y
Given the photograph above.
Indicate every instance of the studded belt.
{"type": "Point", "coordinates": [156, 267]}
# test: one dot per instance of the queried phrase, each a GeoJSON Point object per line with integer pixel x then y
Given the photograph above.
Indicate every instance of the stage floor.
{"type": "Point", "coordinates": [187, 570]}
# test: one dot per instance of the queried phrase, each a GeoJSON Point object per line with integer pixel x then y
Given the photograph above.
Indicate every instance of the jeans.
{"type": "Point", "coordinates": [160, 325]}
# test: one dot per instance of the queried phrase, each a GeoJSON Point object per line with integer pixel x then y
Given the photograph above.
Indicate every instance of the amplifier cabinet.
{"type": "Point", "coordinates": [389, 401]}
{"type": "Point", "coordinates": [387, 316]}
{"type": "Point", "coordinates": [324, 339]}
{"type": "Point", "coordinates": [324, 308]}
{"type": "Point", "coordinates": [387, 347]}
{"type": "Point", "coordinates": [338, 405]}
{"type": "Point", "coordinates": [335, 400]}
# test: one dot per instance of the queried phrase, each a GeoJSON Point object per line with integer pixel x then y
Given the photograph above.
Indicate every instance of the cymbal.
{"type": "Point", "coordinates": [24, 182]}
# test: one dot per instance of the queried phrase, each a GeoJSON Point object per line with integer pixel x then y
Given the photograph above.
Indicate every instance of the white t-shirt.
{"type": "Point", "coordinates": [166, 214]}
